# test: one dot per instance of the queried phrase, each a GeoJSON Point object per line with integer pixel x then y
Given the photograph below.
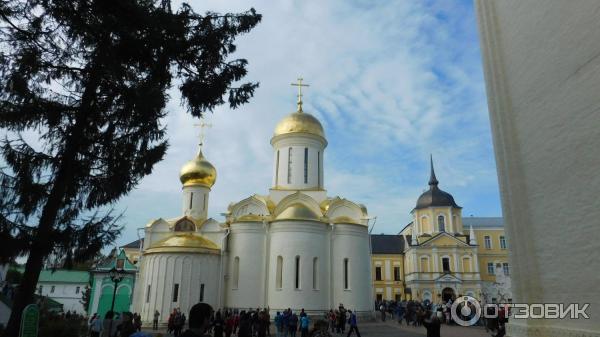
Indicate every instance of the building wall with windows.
{"type": "Point", "coordinates": [65, 287]}
{"type": "Point", "coordinates": [387, 267]}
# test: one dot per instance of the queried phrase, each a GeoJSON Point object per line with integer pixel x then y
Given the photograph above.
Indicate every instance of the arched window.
{"type": "Point", "coordinates": [346, 279]}
{"type": "Point", "coordinates": [184, 225]}
{"type": "Point", "coordinates": [424, 264]}
{"type": "Point", "coordinates": [306, 165]}
{"type": "Point", "coordinates": [315, 275]}
{"type": "Point", "coordinates": [441, 223]}
{"type": "Point", "coordinates": [279, 273]}
{"type": "Point", "coordinates": [289, 176]}
{"type": "Point", "coordinates": [297, 273]}
{"type": "Point", "coordinates": [446, 264]}
{"type": "Point", "coordinates": [236, 272]}
{"type": "Point", "coordinates": [277, 169]}
{"type": "Point", "coordinates": [191, 199]}
{"type": "Point", "coordinates": [319, 168]}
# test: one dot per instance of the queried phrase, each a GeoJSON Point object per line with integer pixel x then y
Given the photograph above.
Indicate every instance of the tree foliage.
{"type": "Point", "coordinates": [83, 89]}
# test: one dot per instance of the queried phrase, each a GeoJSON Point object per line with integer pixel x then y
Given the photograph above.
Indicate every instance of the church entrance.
{"type": "Point", "coordinates": [448, 294]}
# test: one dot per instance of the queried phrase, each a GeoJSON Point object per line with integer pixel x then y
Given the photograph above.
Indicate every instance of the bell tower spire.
{"type": "Point", "coordinates": [432, 179]}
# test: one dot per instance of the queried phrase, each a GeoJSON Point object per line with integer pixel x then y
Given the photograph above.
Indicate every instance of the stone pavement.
{"type": "Point", "coordinates": [393, 329]}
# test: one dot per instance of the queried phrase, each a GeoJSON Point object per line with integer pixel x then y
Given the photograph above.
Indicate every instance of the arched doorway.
{"type": "Point", "coordinates": [448, 294]}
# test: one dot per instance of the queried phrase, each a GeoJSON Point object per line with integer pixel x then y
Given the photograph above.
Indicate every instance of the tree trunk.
{"type": "Point", "coordinates": [41, 246]}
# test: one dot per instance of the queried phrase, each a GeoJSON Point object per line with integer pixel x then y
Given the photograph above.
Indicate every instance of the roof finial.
{"type": "Point", "coordinates": [202, 134]}
{"type": "Point", "coordinates": [300, 85]}
{"type": "Point", "coordinates": [432, 179]}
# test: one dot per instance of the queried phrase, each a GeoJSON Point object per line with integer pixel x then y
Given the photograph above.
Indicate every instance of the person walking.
{"type": "Point", "coordinates": [155, 320]}
{"type": "Point", "coordinates": [432, 325]}
{"type": "Point", "coordinates": [332, 320]}
{"type": "Point", "coordinates": [278, 324]}
{"type": "Point", "coordinates": [218, 325]}
{"type": "Point", "coordinates": [293, 324]}
{"type": "Point", "coordinates": [95, 326]}
{"type": "Point", "coordinates": [304, 324]}
{"type": "Point", "coordinates": [109, 327]}
{"type": "Point", "coordinates": [353, 324]}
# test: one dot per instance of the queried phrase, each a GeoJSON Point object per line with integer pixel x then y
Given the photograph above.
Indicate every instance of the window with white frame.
{"type": "Point", "coordinates": [502, 242]}
{"type": "Point", "coordinates": [441, 223]}
{"type": "Point", "coordinates": [490, 268]}
{"type": "Point", "coordinates": [487, 242]}
{"type": "Point", "coordinates": [505, 269]}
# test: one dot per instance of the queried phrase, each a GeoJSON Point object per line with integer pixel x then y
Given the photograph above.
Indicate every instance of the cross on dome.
{"type": "Point", "coordinates": [202, 126]}
{"type": "Point", "coordinates": [300, 85]}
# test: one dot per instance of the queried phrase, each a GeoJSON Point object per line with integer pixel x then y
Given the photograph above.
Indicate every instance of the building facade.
{"type": "Point", "coordinates": [65, 287]}
{"type": "Point", "coordinates": [441, 255]}
{"type": "Point", "coordinates": [294, 247]}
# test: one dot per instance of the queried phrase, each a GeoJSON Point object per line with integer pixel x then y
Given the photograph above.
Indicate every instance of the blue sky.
{"type": "Point", "coordinates": [391, 81]}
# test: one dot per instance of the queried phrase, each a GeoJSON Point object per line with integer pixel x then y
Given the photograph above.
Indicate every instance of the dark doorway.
{"type": "Point", "coordinates": [448, 294]}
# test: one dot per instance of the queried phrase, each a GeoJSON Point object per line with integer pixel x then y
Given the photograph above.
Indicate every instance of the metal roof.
{"type": "Point", "coordinates": [483, 222]}
{"type": "Point", "coordinates": [387, 244]}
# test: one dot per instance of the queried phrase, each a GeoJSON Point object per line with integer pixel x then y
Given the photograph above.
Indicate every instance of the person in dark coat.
{"type": "Point", "coordinates": [199, 321]}
{"type": "Point", "coordinates": [432, 324]}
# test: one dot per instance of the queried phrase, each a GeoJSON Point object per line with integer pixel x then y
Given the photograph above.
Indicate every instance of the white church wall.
{"type": "Point", "coordinates": [195, 201]}
{"type": "Point", "coordinates": [245, 286]}
{"type": "Point", "coordinates": [306, 240]}
{"type": "Point", "coordinates": [352, 242]}
{"type": "Point", "coordinates": [193, 273]}
{"type": "Point", "coordinates": [298, 143]}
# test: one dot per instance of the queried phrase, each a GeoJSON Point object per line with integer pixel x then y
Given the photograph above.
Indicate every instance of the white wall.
{"type": "Point", "coordinates": [69, 294]}
{"type": "Point", "coordinates": [542, 71]}
{"type": "Point", "coordinates": [307, 240]}
{"type": "Point", "coordinates": [298, 143]}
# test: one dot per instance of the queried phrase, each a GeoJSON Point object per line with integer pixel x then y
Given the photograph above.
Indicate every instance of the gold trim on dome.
{"type": "Point", "coordinates": [198, 172]}
{"type": "Point", "coordinates": [250, 218]}
{"type": "Point", "coordinates": [311, 189]}
{"type": "Point", "coordinates": [298, 211]}
{"type": "Point", "coordinates": [299, 122]}
{"type": "Point", "coordinates": [345, 220]}
{"type": "Point", "coordinates": [325, 205]}
{"type": "Point", "coordinates": [186, 242]}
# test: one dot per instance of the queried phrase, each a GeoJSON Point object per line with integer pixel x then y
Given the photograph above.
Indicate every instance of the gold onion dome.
{"type": "Point", "coordinates": [299, 122]}
{"type": "Point", "coordinates": [198, 171]}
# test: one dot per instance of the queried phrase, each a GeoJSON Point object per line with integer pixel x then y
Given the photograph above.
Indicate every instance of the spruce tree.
{"type": "Point", "coordinates": [83, 89]}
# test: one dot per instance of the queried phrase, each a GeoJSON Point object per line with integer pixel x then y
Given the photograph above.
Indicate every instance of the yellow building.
{"type": "Point", "coordinates": [441, 255]}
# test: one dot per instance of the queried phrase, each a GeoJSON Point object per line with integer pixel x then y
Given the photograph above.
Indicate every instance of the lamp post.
{"type": "Point", "coordinates": [116, 275]}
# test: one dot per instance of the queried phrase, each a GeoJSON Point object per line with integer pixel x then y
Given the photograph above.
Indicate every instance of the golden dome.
{"type": "Point", "coordinates": [300, 122]}
{"type": "Point", "coordinates": [186, 242]}
{"type": "Point", "coordinates": [298, 211]}
{"type": "Point", "coordinates": [198, 171]}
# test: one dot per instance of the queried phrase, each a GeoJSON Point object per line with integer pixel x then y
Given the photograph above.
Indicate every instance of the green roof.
{"type": "Point", "coordinates": [64, 276]}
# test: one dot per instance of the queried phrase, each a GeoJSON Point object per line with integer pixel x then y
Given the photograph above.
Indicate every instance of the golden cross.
{"type": "Point", "coordinates": [201, 134]}
{"type": "Point", "coordinates": [300, 85]}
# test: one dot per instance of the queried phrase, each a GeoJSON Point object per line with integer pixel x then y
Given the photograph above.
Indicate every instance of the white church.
{"type": "Point", "coordinates": [294, 247]}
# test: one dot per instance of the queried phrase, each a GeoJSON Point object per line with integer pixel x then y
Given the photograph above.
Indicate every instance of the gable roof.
{"type": "Point", "coordinates": [134, 244]}
{"type": "Point", "coordinates": [439, 235]}
{"type": "Point", "coordinates": [387, 244]}
{"type": "Point", "coordinates": [482, 222]}
{"type": "Point", "coordinates": [64, 276]}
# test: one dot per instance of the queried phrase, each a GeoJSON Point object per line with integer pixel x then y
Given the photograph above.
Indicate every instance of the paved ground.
{"type": "Point", "coordinates": [392, 329]}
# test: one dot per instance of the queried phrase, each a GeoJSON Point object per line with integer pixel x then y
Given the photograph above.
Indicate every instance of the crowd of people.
{"type": "Point", "coordinates": [115, 324]}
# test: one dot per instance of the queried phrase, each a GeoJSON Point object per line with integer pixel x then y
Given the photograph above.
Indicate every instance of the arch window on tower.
{"type": "Point", "coordinates": [277, 169]}
{"type": "Point", "coordinates": [205, 206]}
{"type": "Point", "coordinates": [236, 272]}
{"type": "Point", "coordinates": [315, 275]}
{"type": "Point", "coordinates": [441, 223]}
{"type": "Point", "coordinates": [297, 273]}
{"type": "Point", "coordinates": [306, 165]}
{"type": "Point", "coordinates": [279, 273]}
{"type": "Point", "coordinates": [191, 199]}
{"type": "Point", "coordinates": [289, 168]}
{"type": "Point", "coordinates": [346, 278]}
{"type": "Point", "coordinates": [319, 168]}
{"type": "Point", "coordinates": [184, 225]}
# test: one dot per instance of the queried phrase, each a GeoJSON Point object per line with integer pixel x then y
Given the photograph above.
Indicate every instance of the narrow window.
{"type": "Point", "coordinates": [279, 274]}
{"type": "Point", "coordinates": [148, 293]}
{"type": "Point", "coordinates": [396, 274]}
{"type": "Point", "coordinates": [52, 290]}
{"type": "Point", "coordinates": [319, 168]}
{"type": "Point", "coordinates": [202, 292]}
{"type": "Point", "coordinates": [502, 242]}
{"type": "Point", "coordinates": [297, 278]}
{"type": "Point", "coordinates": [346, 284]}
{"type": "Point", "coordinates": [398, 297]}
{"type": "Point", "coordinates": [446, 265]}
{"type": "Point", "coordinates": [306, 165]}
{"type": "Point", "coordinates": [377, 273]}
{"type": "Point", "coordinates": [191, 199]}
{"type": "Point", "coordinates": [441, 223]}
{"type": "Point", "coordinates": [289, 177]}
{"type": "Point", "coordinates": [236, 272]}
{"type": "Point", "coordinates": [204, 202]}
{"type": "Point", "coordinates": [277, 169]}
{"type": "Point", "coordinates": [505, 269]}
{"type": "Point", "coordinates": [315, 275]}
{"type": "Point", "coordinates": [379, 297]}
{"type": "Point", "coordinates": [490, 268]}
{"type": "Point", "coordinates": [488, 242]}
{"type": "Point", "coordinates": [77, 290]}
{"type": "Point", "coordinates": [41, 288]}
{"type": "Point", "coordinates": [175, 292]}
